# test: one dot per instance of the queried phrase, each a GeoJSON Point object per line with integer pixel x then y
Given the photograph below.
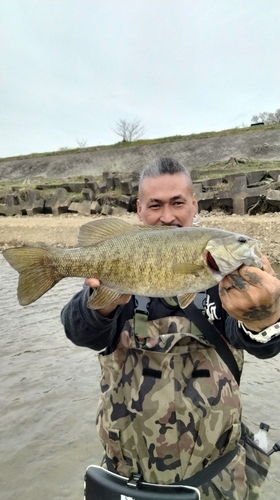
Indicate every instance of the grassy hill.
{"type": "Point", "coordinates": [146, 142]}
{"type": "Point", "coordinates": [207, 153]}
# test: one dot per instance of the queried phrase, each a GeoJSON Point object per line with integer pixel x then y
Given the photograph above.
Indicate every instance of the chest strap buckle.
{"type": "Point", "coordinates": [141, 312]}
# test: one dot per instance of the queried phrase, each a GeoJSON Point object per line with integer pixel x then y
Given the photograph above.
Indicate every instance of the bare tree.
{"type": "Point", "coordinates": [130, 131]}
{"type": "Point", "coordinates": [81, 143]}
{"type": "Point", "coordinates": [266, 117]}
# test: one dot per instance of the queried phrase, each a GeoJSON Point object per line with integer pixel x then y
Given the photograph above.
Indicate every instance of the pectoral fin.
{"type": "Point", "coordinates": [185, 300]}
{"type": "Point", "coordinates": [102, 297]}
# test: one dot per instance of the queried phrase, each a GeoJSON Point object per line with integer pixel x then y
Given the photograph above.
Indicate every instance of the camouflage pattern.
{"type": "Point", "coordinates": [171, 407]}
{"type": "Point", "coordinates": [230, 483]}
{"type": "Point", "coordinates": [239, 481]}
{"type": "Point", "coordinates": [257, 463]}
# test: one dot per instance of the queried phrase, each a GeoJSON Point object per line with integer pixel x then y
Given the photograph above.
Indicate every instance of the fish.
{"type": "Point", "coordinates": [153, 261]}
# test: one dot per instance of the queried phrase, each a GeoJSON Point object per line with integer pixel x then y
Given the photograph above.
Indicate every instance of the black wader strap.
{"type": "Point", "coordinates": [201, 477]}
{"type": "Point", "coordinates": [205, 475]}
{"type": "Point", "coordinates": [212, 334]}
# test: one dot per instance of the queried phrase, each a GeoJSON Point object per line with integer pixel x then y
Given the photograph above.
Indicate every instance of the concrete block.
{"type": "Point", "coordinates": [117, 182]}
{"type": "Point", "coordinates": [3, 207]}
{"type": "Point", "coordinates": [211, 183]}
{"type": "Point", "coordinates": [33, 203]}
{"type": "Point", "coordinates": [95, 208]}
{"type": "Point", "coordinates": [88, 194]}
{"type": "Point", "coordinates": [102, 187]}
{"type": "Point", "coordinates": [249, 202]}
{"type": "Point", "coordinates": [74, 187]}
{"type": "Point", "coordinates": [84, 208]}
{"type": "Point", "coordinates": [246, 198]}
{"type": "Point", "coordinates": [105, 175]}
{"type": "Point", "coordinates": [197, 187]}
{"type": "Point", "coordinates": [117, 211]}
{"type": "Point", "coordinates": [135, 176]}
{"type": "Point", "coordinates": [225, 202]}
{"type": "Point", "coordinates": [132, 206]}
{"type": "Point", "coordinates": [59, 203]}
{"type": "Point", "coordinates": [275, 174]}
{"type": "Point", "coordinates": [74, 207]}
{"type": "Point", "coordinates": [89, 178]}
{"type": "Point", "coordinates": [273, 197]}
{"type": "Point", "coordinates": [110, 184]}
{"type": "Point", "coordinates": [124, 201]}
{"type": "Point", "coordinates": [126, 188]}
{"type": "Point", "coordinates": [12, 206]}
{"type": "Point", "coordinates": [255, 177]}
{"type": "Point", "coordinates": [12, 200]}
{"type": "Point", "coordinates": [94, 186]}
{"type": "Point", "coordinates": [239, 182]}
{"type": "Point", "coordinates": [106, 210]}
{"type": "Point", "coordinates": [134, 186]}
{"type": "Point", "coordinates": [205, 201]}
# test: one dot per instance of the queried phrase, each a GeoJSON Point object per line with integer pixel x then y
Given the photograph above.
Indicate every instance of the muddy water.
{"type": "Point", "coordinates": [49, 392]}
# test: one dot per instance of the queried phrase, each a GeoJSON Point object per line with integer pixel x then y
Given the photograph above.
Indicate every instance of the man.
{"type": "Point", "coordinates": [169, 406]}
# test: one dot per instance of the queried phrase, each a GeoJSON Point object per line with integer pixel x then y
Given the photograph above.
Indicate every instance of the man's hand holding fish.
{"type": "Point", "coordinates": [252, 296]}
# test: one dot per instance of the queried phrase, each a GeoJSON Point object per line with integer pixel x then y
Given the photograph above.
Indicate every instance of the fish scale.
{"type": "Point", "coordinates": [152, 261]}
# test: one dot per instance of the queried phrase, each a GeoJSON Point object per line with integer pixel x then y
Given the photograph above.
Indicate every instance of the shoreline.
{"type": "Point", "coordinates": [62, 231]}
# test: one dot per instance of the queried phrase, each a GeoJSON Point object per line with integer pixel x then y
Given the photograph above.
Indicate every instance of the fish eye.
{"type": "Point", "coordinates": [242, 239]}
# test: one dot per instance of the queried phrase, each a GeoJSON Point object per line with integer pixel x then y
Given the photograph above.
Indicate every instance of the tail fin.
{"type": "Point", "coordinates": [36, 275]}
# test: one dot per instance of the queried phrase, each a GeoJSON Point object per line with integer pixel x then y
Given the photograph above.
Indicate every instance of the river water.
{"type": "Point", "coordinates": [49, 393]}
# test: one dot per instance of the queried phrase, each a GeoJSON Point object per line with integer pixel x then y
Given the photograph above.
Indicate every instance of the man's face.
{"type": "Point", "coordinates": [167, 200]}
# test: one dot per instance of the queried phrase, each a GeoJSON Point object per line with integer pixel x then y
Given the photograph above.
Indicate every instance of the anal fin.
{"type": "Point", "coordinates": [102, 297]}
{"type": "Point", "coordinates": [185, 300]}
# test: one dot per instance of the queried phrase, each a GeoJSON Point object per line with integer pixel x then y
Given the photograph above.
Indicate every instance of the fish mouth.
{"type": "Point", "coordinates": [211, 263]}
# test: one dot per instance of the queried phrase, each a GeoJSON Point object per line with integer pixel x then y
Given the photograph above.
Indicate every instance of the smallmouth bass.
{"type": "Point", "coordinates": [157, 261]}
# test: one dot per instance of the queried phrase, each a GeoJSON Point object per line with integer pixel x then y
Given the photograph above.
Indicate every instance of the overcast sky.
{"type": "Point", "coordinates": [70, 69]}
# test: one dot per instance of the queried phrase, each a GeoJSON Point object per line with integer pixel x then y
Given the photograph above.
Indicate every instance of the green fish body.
{"type": "Point", "coordinates": [138, 260]}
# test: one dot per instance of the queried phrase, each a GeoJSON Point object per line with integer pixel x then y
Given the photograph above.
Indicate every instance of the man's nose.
{"type": "Point", "coordinates": [167, 216]}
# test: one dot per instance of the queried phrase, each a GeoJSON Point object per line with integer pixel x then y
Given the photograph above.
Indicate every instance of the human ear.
{"type": "Point", "coordinates": [139, 209]}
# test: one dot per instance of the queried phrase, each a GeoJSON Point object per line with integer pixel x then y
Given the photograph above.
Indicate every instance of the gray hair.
{"type": "Point", "coordinates": [162, 166]}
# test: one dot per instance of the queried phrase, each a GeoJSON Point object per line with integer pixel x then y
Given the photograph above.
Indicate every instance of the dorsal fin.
{"type": "Point", "coordinates": [99, 230]}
